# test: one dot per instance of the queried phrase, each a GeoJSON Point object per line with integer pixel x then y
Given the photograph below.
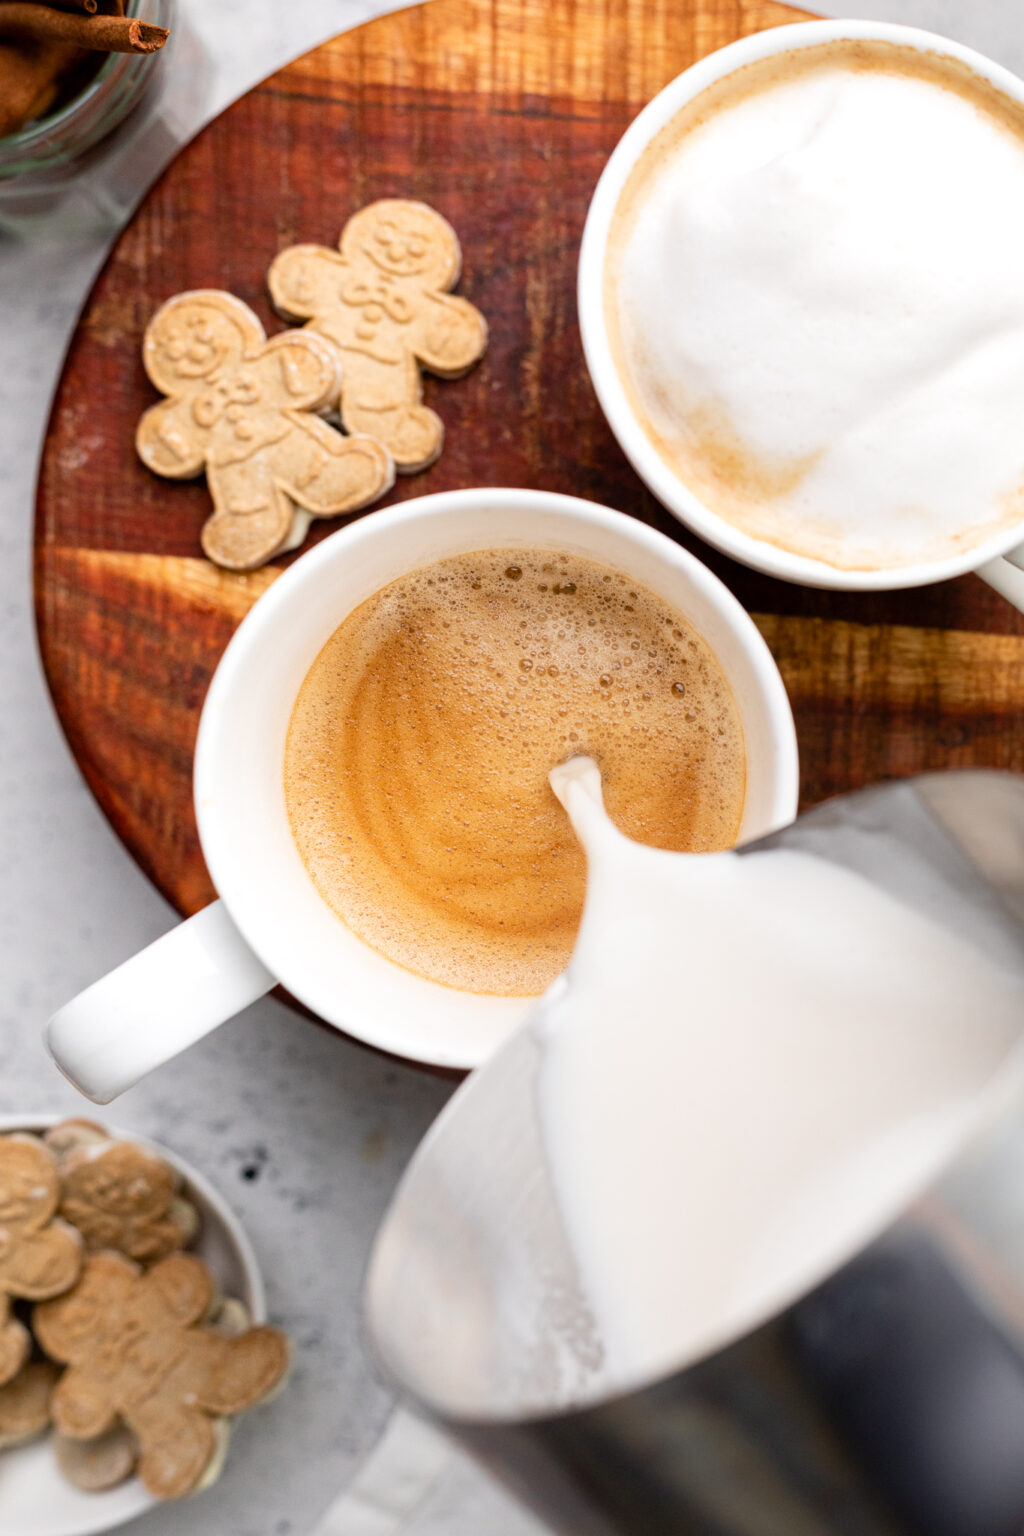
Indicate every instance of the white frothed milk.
{"type": "Point", "coordinates": [814, 291]}
{"type": "Point", "coordinates": [754, 1063]}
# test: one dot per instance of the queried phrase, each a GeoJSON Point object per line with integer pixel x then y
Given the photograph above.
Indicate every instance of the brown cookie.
{"type": "Point", "coordinates": [384, 301]}
{"type": "Point", "coordinates": [97, 1464]}
{"type": "Point", "coordinates": [120, 1195]}
{"type": "Point", "coordinates": [25, 1403]}
{"type": "Point", "coordinates": [39, 1257]}
{"type": "Point", "coordinates": [69, 1135]}
{"type": "Point", "coordinates": [244, 409]}
{"type": "Point", "coordinates": [134, 1352]}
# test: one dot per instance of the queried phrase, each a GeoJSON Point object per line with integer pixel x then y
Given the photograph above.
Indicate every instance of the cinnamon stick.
{"type": "Point", "coordinates": [87, 7]}
{"type": "Point", "coordinates": [30, 79]}
{"type": "Point", "coordinates": [104, 34]}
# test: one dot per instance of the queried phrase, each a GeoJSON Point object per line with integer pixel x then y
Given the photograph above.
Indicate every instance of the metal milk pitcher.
{"type": "Point", "coordinates": [886, 1401]}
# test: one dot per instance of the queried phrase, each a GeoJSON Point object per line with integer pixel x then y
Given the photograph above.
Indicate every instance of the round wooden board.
{"type": "Point", "coordinates": [501, 114]}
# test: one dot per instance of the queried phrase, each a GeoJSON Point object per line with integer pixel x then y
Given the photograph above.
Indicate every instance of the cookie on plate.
{"type": "Point", "coordinates": [95, 1465]}
{"type": "Point", "coordinates": [25, 1403]}
{"type": "Point", "coordinates": [136, 1352]}
{"type": "Point", "coordinates": [39, 1256]}
{"type": "Point", "coordinates": [120, 1195]}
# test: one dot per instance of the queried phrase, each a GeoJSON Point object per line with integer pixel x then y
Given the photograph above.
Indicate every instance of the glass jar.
{"type": "Point", "coordinates": [53, 169]}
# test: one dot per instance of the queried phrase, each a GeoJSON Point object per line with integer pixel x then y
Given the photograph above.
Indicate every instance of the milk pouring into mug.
{"type": "Point", "coordinates": [801, 1051]}
{"type": "Point", "coordinates": [616, 1266]}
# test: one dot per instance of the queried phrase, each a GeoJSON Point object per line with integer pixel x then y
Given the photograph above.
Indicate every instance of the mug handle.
{"type": "Point", "coordinates": [1006, 575]}
{"type": "Point", "coordinates": [156, 1004]}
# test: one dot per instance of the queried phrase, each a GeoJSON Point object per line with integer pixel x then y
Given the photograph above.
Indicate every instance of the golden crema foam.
{"type": "Point", "coordinates": [814, 289]}
{"type": "Point", "coordinates": [417, 759]}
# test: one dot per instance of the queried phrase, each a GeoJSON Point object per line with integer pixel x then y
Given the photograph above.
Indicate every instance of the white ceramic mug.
{"type": "Point", "coordinates": [999, 561]}
{"type": "Point", "coordinates": [270, 924]}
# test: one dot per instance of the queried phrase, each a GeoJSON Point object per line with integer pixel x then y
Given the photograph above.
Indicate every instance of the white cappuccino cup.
{"type": "Point", "coordinates": [270, 924]}
{"type": "Point", "coordinates": [761, 275]}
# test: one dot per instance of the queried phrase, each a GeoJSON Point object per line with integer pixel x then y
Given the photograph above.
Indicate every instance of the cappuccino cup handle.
{"type": "Point", "coordinates": [1006, 575]}
{"type": "Point", "coordinates": [156, 1004]}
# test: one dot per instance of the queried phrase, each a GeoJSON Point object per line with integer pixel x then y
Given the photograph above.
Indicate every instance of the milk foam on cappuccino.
{"type": "Point", "coordinates": [417, 760]}
{"type": "Point", "coordinates": [815, 299]}
{"type": "Point", "coordinates": [754, 1062]}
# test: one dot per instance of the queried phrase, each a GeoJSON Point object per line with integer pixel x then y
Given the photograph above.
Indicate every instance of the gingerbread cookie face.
{"type": "Point", "coordinates": [244, 409]}
{"type": "Point", "coordinates": [135, 1353]}
{"type": "Point", "coordinates": [121, 1196]}
{"type": "Point", "coordinates": [404, 239]}
{"type": "Point", "coordinates": [39, 1257]}
{"type": "Point", "coordinates": [384, 299]}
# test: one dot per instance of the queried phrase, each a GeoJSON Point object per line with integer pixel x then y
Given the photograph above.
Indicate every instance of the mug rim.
{"type": "Point", "coordinates": [248, 910]}
{"type": "Point", "coordinates": [677, 498]}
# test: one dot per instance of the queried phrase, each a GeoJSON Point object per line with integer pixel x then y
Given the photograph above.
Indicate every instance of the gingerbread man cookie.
{"type": "Point", "coordinates": [39, 1257]}
{"type": "Point", "coordinates": [244, 409]}
{"type": "Point", "coordinates": [134, 1353]}
{"type": "Point", "coordinates": [120, 1195]}
{"type": "Point", "coordinates": [385, 302]}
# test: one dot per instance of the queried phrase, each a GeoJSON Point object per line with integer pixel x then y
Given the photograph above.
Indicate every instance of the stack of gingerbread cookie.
{"type": "Point", "coordinates": [110, 1333]}
{"type": "Point", "coordinates": [318, 421]}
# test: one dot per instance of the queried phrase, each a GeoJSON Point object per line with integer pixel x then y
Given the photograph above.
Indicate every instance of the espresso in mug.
{"type": "Point", "coordinates": [418, 753]}
{"type": "Point", "coordinates": [814, 291]}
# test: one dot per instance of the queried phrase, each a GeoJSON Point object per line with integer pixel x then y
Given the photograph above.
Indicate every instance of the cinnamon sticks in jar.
{"type": "Point", "coordinates": [82, 7]}
{"type": "Point", "coordinates": [45, 42]}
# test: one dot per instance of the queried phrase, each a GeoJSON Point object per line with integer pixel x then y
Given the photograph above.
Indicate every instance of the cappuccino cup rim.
{"type": "Point", "coordinates": [239, 796]}
{"type": "Point", "coordinates": [662, 480]}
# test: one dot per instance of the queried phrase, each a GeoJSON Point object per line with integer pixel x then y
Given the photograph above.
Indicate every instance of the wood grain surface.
{"type": "Point", "coordinates": [500, 113]}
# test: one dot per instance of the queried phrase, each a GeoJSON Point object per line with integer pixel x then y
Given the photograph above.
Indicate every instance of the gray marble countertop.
{"type": "Point", "coordinates": [303, 1131]}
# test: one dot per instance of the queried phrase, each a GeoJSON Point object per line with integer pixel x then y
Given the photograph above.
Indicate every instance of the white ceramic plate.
{"type": "Point", "coordinates": [35, 1500]}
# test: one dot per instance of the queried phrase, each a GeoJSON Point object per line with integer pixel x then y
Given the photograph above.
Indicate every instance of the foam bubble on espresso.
{"type": "Point", "coordinates": [417, 759]}
{"type": "Point", "coordinates": [815, 294]}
